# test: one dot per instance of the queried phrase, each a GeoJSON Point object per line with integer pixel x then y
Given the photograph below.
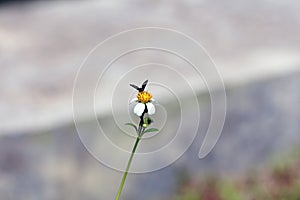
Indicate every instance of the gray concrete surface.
{"type": "Point", "coordinates": [43, 44]}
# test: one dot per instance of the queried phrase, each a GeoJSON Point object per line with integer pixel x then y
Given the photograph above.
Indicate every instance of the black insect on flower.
{"type": "Point", "coordinates": [144, 100]}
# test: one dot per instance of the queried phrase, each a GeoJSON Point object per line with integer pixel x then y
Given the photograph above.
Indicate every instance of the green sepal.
{"type": "Point", "coordinates": [132, 125]}
{"type": "Point", "coordinates": [151, 130]}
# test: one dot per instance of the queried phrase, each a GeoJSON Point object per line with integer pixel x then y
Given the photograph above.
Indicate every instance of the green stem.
{"type": "Point", "coordinates": [127, 168]}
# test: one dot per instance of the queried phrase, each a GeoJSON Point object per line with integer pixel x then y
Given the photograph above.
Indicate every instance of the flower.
{"type": "Point", "coordinates": [144, 100]}
{"type": "Point", "coordinates": [143, 106]}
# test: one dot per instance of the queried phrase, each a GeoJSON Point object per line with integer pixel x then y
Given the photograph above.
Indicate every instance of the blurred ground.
{"type": "Point", "coordinates": [54, 164]}
{"type": "Point", "coordinates": [255, 44]}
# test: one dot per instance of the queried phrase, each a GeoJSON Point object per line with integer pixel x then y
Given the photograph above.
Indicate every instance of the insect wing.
{"type": "Point", "coordinates": [135, 87]}
{"type": "Point", "coordinates": [144, 85]}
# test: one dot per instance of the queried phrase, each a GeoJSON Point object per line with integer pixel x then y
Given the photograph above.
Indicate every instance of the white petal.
{"type": "Point", "coordinates": [151, 108]}
{"type": "Point", "coordinates": [134, 100]}
{"type": "Point", "coordinates": [139, 109]}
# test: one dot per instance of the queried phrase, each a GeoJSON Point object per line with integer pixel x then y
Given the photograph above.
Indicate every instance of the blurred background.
{"type": "Point", "coordinates": [256, 46]}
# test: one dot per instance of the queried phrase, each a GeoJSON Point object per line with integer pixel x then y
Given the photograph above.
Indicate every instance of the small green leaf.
{"type": "Point", "coordinates": [132, 125]}
{"type": "Point", "coordinates": [151, 130]}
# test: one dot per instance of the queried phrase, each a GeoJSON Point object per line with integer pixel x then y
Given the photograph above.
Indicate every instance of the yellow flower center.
{"type": "Point", "coordinates": [144, 97]}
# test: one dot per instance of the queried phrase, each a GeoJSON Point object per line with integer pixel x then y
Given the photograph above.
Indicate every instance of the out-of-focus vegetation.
{"type": "Point", "coordinates": [278, 181]}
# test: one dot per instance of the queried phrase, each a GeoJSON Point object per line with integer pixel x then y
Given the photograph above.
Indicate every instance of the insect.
{"type": "Point", "coordinates": [140, 89]}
